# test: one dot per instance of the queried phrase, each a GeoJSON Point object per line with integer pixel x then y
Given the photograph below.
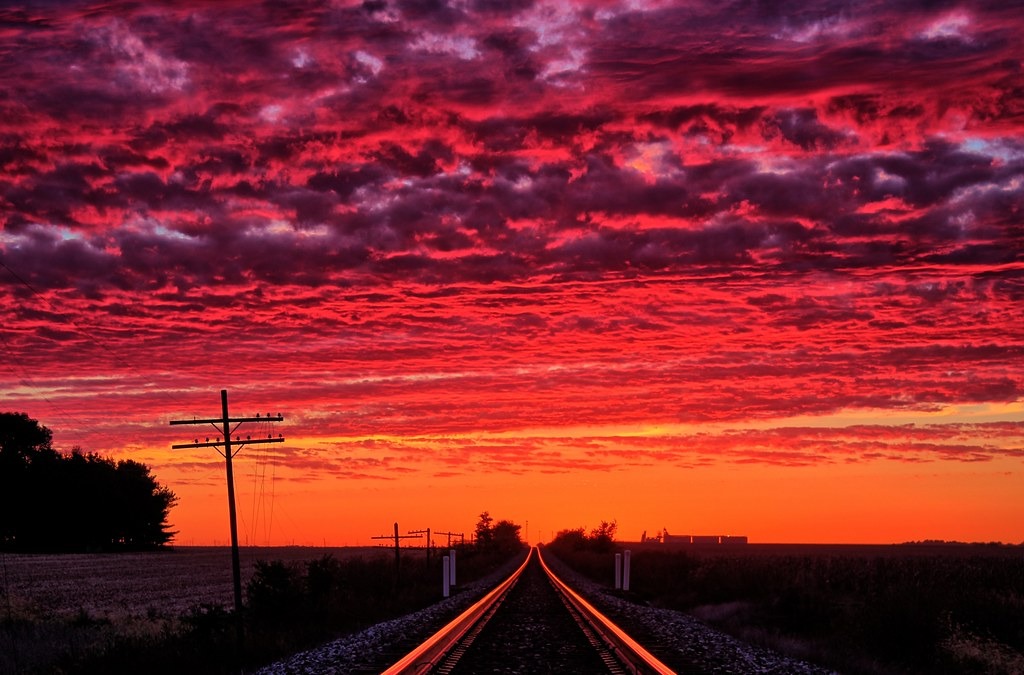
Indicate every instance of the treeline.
{"type": "Point", "coordinates": [54, 502]}
{"type": "Point", "coordinates": [600, 540]}
{"type": "Point", "coordinates": [500, 537]}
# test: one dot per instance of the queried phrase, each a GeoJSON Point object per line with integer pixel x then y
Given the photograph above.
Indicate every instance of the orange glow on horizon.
{"type": "Point", "coordinates": [569, 480]}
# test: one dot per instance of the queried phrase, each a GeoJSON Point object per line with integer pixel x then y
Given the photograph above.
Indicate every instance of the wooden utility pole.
{"type": "Point", "coordinates": [398, 554]}
{"type": "Point", "coordinates": [453, 534]}
{"type": "Point", "coordinates": [226, 440]}
{"type": "Point", "coordinates": [426, 532]}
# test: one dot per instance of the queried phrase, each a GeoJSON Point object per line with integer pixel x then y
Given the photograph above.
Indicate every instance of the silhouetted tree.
{"type": "Point", "coordinates": [22, 443]}
{"type": "Point", "coordinates": [80, 501]}
{"type": "Point", "coordinates": [484, 534]}
{"type": "Point", "coordinates": [501, 537]}
{"type": "Point", "coordinates": [505, 536]}
{"type": "Point", "coordinates": [602, 538]}
{"type": "Point", "coordinates": [572, 540]}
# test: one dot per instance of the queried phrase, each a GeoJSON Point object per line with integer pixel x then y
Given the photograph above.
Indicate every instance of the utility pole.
{"type": "Point", "coordinates": [398, 554]}
{"type": "Point", "coordinates": [426, 532]}
{"type": "Point", "coordinates": [452, 534]}
{"type": "Point", "coordinates": [226, 440]}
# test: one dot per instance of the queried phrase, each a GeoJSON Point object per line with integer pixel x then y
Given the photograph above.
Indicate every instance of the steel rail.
{"type": "Point", "coordinates": [628, 650]}
{"type": "Point", "coordinates": [430, 652]}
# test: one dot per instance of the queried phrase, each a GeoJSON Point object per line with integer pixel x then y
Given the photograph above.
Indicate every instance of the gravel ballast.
{"type": "Point", "coordinates": [680, 640]}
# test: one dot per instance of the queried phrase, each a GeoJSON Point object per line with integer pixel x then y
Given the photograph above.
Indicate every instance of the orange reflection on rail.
{"type": "Point", "coordinates": [622, 641]}
{"type": "Point", "coordinates": [424, 658]}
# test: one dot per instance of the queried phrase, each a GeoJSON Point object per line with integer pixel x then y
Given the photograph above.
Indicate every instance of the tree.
{"type": "Point", "coordinates": [142, 506]}
{"type": "Point", "coordinates": [21, 436]}
{"type": "Point", "coordinates": [74, 502]}
{"type": "Point", "coordinates": [484, 534]}
{"type": "Point", "coordinates": [602, 538]}
{"type": "Point", "coordinates": [505, 536]}
{"type": "Point", "coordinates": [572, 540]}
{"type": "Point", "coordinates": [22, 442]}
{"type": "Point", "coordinates": [502, 537]}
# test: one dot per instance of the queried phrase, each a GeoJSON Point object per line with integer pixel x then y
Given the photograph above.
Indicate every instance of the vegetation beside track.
{"type": "Point", "coordinates": [290, 605]}
{"type": "Point", "coordinates": [863, 610]}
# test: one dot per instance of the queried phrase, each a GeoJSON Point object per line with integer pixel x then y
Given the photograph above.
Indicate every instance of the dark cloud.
{"type": "Point", "coordinates": [449, 217]}
{"type": "Point", "coordinates": [803, 128]}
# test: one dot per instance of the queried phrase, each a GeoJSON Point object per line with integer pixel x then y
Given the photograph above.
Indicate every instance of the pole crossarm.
{"type": "Point", "coordinates": [231, 444]}
{"type": "Point", "coordinates": [452, 534]}
{"type": "Point", "coordinates": [232, 420]}
{"type": "Point", "coordinates": [217, 444]}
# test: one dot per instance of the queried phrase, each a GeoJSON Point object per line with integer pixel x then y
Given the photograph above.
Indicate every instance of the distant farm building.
{"type": "Point", "coordinates": [667, 538]}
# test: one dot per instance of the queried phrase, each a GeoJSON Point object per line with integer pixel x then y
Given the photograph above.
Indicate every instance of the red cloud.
{"type": "Point", "coordinates": [417, 221]}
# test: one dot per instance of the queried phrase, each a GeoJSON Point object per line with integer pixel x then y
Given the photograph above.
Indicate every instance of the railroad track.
{"type": "Point", "coordinates": [531, 623]}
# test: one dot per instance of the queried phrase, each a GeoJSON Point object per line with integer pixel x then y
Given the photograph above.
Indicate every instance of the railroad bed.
{"type": "Point", "coordinates": [681, 642]}
{"type": "Point", "coordinates": [532, 623]}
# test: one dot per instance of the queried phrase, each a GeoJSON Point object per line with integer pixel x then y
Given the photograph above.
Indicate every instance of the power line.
{"type": "Point", "coordinates": [398, 551]}
{"type": "Point", "coordinates": [225, 421]}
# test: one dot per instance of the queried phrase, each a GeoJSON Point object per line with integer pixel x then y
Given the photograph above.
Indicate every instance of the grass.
{"type": "Point", "coordinates": [170, 612]}
{"type": "Point", "coordinates": [869, 610]}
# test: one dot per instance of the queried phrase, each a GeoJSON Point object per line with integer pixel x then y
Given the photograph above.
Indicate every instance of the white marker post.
{"type": "Point", "coordinates": [446, 578]}
{"type": "Point", "coordinates": [451, 560]}
{"type": "Point", "coordinates": [625, 571]}
{"type": "Point", "coordinates": [618, 571]}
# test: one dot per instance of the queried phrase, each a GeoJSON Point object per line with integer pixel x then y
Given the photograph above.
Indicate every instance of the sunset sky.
{"type": "Point", "coordinates": [722, 268]}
